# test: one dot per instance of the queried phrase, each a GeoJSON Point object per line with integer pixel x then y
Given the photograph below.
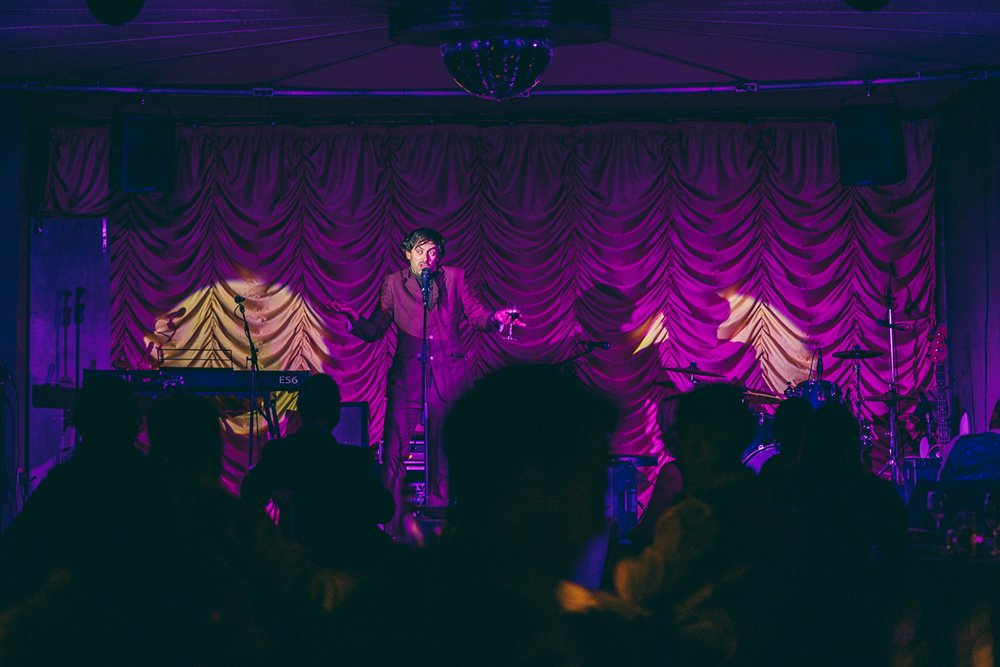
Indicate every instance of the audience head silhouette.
{"type": "Point", "coordinates": [184, 435]}
{"type": "Point", "coordinates": [831, 440]}
{"type": "Point", "coordinates": [528, 454]}
{"type": "Point", "coordinates": [319, 402]}
{"type": "Point", "coordinates": [711, 429]}
{"type": "Point", "coordinates": [107, 415]}
{"type": "Point", "coordinates": [790, 421]}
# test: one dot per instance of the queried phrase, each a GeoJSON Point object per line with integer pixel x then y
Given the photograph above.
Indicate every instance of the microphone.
{"type": "Point", "coordinates": [240, 299]}
{"type": "Point", "coordinates": [603, 344]}
{"type": "Point", "coordinates": [819, 365]}
{"type": "Point", "coordinates": [180, 312]}
{"type": "Point", "coordinates": [425, 286]}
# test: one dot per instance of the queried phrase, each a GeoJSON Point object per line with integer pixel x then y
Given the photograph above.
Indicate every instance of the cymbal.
{"type": "Point", "coordinates": [693, 370]}
{"type": "Point", "coordinates": [899, 326]}
{"type": "Point", "coordinates": [891, 397]}
{"type": "Point", "coordinates": [761, 397]}
{"type": "Point", "coordinates": [857, 354]}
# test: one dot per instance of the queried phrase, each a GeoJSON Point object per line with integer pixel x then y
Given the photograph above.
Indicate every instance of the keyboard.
{"type": "Point", "coordinates": [220, 381]}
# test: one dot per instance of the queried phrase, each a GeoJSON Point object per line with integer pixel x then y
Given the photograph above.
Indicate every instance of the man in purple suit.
{"type": "Point", "coordinates": [401, 301]}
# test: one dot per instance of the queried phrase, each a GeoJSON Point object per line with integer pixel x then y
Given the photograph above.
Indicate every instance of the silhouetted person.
{"type": "Point", "coordinates": [73, 565]}
{"type": "Point", "coordinates": [703, 574]}
{"type": "Point", "coordinates": [233, 587]}
{"type": "Point", "coordinates": [852, 528]}
{"type": "Point", "coordinates": [852, 511]}
{"type": "Point", "coordinates": [781, 472]}
{"type": "Point", "coordinates": [669, 482]}
{"type": "Point", "coordinates": [528, 453]}
{"type": "Point", "coordinates": [329, 490]}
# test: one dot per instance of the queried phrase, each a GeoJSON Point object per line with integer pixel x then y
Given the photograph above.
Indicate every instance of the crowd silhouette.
{"type": "Point", "coordinates": [123, 558]}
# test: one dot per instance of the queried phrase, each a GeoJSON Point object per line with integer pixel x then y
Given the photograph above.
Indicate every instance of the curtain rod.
{"type": "Point", "coordinates": [741, 86]}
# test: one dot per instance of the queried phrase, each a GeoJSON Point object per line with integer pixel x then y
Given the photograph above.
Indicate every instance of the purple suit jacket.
{"type": "Point", "coordinates": [401, 302]}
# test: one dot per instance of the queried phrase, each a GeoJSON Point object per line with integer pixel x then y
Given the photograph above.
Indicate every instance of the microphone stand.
{"type": "Point", "coordinates": [77, 323]}
{"type": "Point", "coordinates": [892, 465]}
{"type": "Point", "coordinates": [65, 379]}
{"type": "Point", "coordinates": [425, 290]}
{"type": "Point", "coordinates": [568, 365]}
{"type": "Point", "coordinates": [254, 367]}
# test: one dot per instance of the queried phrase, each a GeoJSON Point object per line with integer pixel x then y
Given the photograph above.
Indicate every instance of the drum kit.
{"type": "Point", "coordinates": [818, 391]}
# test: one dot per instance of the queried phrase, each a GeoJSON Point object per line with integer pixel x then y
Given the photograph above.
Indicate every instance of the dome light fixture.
{"type": "Point", "coordinates": [497, 69]}
{"type": "Point", "coordinates": [498, 49]}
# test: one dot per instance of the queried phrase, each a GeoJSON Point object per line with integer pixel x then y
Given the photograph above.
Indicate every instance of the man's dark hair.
{"type": "Point", "coordinates": [106, 413]}
{"type": "Point", "coordinates": [527, 450]}
{"type": "Point", "coordinates": [424, 235]}
{"type": "Point", "coordinates": [319, 398]}
{"type": "Point", "coordinates": [185, 434]}
{"type": "Point", "coordinates": [790, 421]}
{"type": "Point", "coordinates": [533, 416]}
{"type": "Point", "coordinates": [715, 412]}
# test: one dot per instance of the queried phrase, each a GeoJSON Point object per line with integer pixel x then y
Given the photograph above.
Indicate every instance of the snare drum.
{"type": "Point", "coordinates": [818, 392]}
{"type": "Point", "coordinates": [755, 457]}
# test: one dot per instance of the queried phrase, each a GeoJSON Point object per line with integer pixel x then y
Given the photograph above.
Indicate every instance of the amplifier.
{"type": "Point", "coordinates": [916, 469]}
{"type": "Point", "coordinates": [352, 429]}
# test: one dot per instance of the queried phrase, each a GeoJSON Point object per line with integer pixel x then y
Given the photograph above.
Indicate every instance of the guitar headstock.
{"type": "Point", "coordinates": [939, 347]}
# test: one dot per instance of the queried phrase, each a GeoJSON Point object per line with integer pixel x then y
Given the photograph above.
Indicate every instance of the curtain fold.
{"type": "Point", "coordinates": [726, 244]}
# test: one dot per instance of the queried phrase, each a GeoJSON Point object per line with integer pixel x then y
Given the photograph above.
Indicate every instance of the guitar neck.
{"type": "Point", "coordinates": [942, 430]}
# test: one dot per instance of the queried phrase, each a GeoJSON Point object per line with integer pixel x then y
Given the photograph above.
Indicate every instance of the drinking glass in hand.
{"type": "Point", "coordinates": [991, 516]}
{"type": "Point", "coordinates": [514, 315]}
{"type": "Point", "coordinates": [937, 507]}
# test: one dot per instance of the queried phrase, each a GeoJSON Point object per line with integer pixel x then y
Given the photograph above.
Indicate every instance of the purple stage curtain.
{"type": "Point", "coordinates": [730, 245]}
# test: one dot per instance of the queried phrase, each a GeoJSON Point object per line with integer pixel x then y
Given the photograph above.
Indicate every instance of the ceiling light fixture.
{"type": "Point", "coordinates": [498, 49]}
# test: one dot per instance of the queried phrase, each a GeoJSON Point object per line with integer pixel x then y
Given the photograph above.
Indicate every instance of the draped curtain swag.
{"type": "Point", "coordinates": [730, 245]}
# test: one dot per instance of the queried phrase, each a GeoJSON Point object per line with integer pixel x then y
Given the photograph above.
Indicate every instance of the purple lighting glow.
{"type": "Point", "coordinates": [497, 69]}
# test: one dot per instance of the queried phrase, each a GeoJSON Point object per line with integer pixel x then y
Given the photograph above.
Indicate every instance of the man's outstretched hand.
{"type": "Point", "coordinates": [338, 307]}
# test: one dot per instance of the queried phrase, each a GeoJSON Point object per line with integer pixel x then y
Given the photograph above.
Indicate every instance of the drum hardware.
{"type": "Point", "coordinates": [857, 354]}
{"type": "Point", "coordinates": [891, 397]}
{"type": "Point", "coordinates": [866, 433]}
{"type": "Point", "coordinates": [755, 457]}
{"type": "Point", "coordinates": [754, 397]}
{"type": "Point", "coordinates": [892, 465]}
{"type": "Point", "coordinates": [693, 372]}
{"type": "Point", "coordinates": [817, 392]}
{"type": "Point", "coordinates": [867, 438]}
{"type": "Point", "coordinates": [898, 326]}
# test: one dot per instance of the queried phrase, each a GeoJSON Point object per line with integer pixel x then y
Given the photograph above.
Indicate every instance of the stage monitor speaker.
{"type": "Point", "coordinates": [870, 145]}
{"type": "Point", "coordinates": [142, 152]}
{"type": "Point", "coordinates": [353, 426]}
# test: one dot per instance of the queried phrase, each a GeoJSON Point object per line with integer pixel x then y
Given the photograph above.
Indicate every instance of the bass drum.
{"type": "Point", "coordinates": [755, 457]}
{"type": "Point", "coordinates": [817, 392]}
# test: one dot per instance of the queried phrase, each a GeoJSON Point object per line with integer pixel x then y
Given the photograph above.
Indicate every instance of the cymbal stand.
{"type": "Point", "coordinates": [864, 424]}
{"type": "Point", "coordinates": [892, 465]}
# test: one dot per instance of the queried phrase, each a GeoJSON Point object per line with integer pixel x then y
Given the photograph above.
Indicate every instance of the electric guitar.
{"type": "Point", "coordinates": [942, 429]}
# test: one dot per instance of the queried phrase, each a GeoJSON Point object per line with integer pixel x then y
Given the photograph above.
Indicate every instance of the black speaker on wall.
{"type": "Point", "coordinates": [352, 429]}
{"type": "Point", "coordinates": [142, 152]}
{"type": "Point", "coordinates": [870, 145]}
